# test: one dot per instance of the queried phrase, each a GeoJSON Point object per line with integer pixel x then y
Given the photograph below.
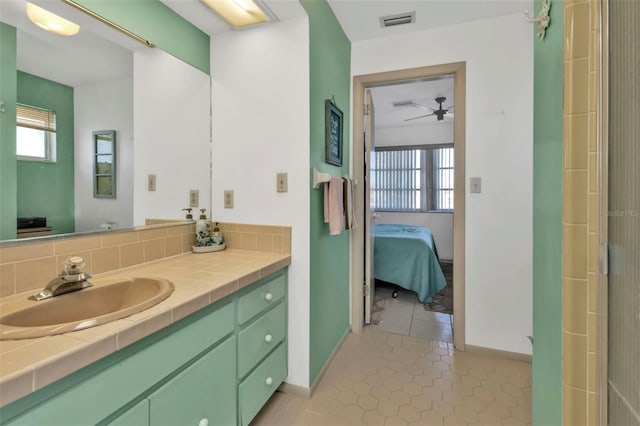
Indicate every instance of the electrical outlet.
{"type": "Point", "coordinates": [151, 183]}
{"type": "Point", "coordinates": [194, 198]}
{"type": "Point", "coordinates": [281, 182]}
{"type": "Point", "coordinates": [228, 199]}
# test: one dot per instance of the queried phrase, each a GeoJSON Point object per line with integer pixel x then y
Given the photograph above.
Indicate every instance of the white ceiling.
{"type": "Point", "coordinates": [420, 92]}
{"type": "Point", "coordinates": [360, 18]}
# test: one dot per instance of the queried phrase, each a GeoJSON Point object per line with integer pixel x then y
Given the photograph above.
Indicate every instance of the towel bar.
{"type": "Point", "coordinates": [319, 178]}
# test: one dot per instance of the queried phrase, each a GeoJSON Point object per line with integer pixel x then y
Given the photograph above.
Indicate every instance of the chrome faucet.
{"type": "Point", "coordinates": [70, 279]}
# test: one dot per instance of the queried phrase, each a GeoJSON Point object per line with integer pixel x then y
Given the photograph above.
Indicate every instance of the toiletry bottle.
{"type": "Point", "coordinates": [189, 215]}
{"type": "Point", "coordinates": [216, 235]}
{"type": "Point", "coordinates": [203, 237]}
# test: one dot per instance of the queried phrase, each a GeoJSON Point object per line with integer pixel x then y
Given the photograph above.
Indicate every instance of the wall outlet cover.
{"type": "Point", "coordinates": [228, 199]}
{"type": "Point", "coordinates": [194, 198]}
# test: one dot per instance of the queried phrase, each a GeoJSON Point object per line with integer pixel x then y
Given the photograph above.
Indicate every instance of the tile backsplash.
{"type": "Point", "coordinates": [28, 266]}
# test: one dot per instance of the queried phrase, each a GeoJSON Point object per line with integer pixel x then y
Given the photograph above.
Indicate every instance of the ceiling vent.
{"type": "Point", "coordinates": [399, 19]}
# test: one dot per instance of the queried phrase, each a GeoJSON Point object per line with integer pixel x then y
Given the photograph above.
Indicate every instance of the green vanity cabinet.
{"type": "Point", "coordinates": [138, 415]}
{"type": "Point", "coordinates": [218, 366]}
{"type": "Point", "coordinates": [202, 394]}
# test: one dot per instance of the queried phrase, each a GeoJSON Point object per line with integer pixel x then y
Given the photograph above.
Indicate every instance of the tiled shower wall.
{"type": "Point", "coordinates": [580, 211]}
{"type": "Point", "coordinates": [28, 266]}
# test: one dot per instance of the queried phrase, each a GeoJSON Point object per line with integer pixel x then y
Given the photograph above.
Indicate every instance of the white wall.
{"type": "Point", "coordinates": [172, 135]}
{"type": "Point", "coordinates": [103, 106]}
{"type": "Point", "coordinates": [260, 97]}
{"type": "Point", "coordinates": [499, 149]}
{"type": "Point", "coordinates": [441, 224]}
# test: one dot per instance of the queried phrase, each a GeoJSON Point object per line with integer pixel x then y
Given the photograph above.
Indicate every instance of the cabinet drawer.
{"type": "Point", "coordinates": [203, 391]}
{"type": "Point", "coordinates": [257, 340]}
{"type": "Point", "coordinates": [256, 389]}
{"type": "Point", "coordinates": [260, 298]}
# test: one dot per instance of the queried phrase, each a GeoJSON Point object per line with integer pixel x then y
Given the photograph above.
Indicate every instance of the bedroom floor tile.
{"type": "Point", "coordinates": [433, 329]}
{"type": "Point", "coordinates": [379, 378]}
{"type": "Point", "coordinates": [405, 315]}
{"type": "Point", "coordinates": [419, 312]}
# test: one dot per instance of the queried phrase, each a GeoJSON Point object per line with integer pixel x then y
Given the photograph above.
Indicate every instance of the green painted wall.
{"type": "Point", "coordinates": [330, 69]}
{"type": "Point", "coordinates": [8, 132]}
{"type": "Point", "coordinates": [547, 222]}
{"type": "Point", "coordinates": [156, 22]}
{"type": "Point", "coordinates": [47, 189]}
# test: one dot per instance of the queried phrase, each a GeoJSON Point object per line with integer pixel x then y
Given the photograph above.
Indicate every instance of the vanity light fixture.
{"type": "Point", "coordinates": [109, 23]}
{"type": "Point", "coordinates": [50, 21]}
{"type": "Point", "coordinates": [240, 13]}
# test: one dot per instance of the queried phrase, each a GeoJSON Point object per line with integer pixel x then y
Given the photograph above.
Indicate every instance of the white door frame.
{"type": "Point", "coordinates": [360, 82]}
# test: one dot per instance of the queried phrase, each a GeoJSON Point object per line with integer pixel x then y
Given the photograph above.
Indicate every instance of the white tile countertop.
{"type": "Point", "coordinates": [199, 279]}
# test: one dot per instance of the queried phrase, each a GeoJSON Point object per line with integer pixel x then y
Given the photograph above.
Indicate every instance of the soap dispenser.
{"type": "Point", "coordinates": [189, 215]}
{"type": "Point", "coordinates": [203, 237]}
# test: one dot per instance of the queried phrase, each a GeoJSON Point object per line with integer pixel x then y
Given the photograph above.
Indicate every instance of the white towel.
{"type": "Point", "coordinates": [333, 205]}
{"type": "Point", "coordinates": [349, 216]}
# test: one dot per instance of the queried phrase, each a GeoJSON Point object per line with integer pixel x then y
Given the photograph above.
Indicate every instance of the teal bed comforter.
{"type": "Point", "coordinates": [407, 256]}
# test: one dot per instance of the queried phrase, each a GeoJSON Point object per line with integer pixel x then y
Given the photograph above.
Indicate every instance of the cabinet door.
{"type": "Point", "coordinates": [203, 394]}
{"type": "Point", "coordinates": [138, 415]}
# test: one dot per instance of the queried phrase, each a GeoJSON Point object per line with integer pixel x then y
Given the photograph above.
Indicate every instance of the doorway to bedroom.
{"type": "Point", "coordinates": [409, 153]}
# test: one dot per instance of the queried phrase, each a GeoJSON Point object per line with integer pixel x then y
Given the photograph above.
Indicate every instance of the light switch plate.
{"type": "Point", "coordinates": [151, 183]}
{"type": "Point", "coordinates": [476, 185]}
{"type": "Point", "coordinates": [228, 199]}
{"type": "Point", "coordinates": [281, 182]}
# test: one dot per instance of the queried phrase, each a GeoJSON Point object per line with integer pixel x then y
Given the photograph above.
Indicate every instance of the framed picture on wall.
{"type": "Point", "coordinates": [333, 133]}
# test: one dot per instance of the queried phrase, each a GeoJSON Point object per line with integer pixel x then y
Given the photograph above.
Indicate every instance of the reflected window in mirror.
{"type": "Point", "coordinates": [104, 164]}
{"type": "Point", "coordinates": [35, 134]}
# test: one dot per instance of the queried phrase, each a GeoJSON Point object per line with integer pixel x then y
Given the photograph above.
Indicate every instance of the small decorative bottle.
{"type": "Point", "coordinates": [216, 235]}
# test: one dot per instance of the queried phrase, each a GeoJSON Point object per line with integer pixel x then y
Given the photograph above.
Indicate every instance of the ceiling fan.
{"type": "Point", "coordinates": [439, 113]}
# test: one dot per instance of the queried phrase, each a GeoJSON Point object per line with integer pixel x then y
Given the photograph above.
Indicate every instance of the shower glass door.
{"type": "Point", "coordinates": [623, 381]}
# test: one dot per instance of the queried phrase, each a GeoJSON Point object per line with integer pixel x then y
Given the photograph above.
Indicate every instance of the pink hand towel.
{"type": "Point", "coordinates": [333, 205]}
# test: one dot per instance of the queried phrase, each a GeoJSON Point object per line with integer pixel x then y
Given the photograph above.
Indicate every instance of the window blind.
{"type": "Point", "coordinates": [35, 118]}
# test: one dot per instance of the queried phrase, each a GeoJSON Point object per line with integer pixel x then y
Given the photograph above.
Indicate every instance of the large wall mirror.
{"type": "Point", "coordinates": [157, 106]}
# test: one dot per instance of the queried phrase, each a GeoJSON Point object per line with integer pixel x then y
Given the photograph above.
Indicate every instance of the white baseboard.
{"type": "Point", "coordinates": [513, 356]}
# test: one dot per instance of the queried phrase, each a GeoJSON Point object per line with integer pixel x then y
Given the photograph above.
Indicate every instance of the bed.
{"type": "Point", "coordinates": [407, 256]}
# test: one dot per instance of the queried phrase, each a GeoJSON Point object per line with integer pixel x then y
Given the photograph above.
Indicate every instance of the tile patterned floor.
{"type": "Point", "coordinates": [406, 315]}
{"type": "Point", "coordinates": [380, 378]}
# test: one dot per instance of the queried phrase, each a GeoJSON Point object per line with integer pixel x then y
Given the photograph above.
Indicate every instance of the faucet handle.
{"type": "Point", "coordinates": [73, 264]}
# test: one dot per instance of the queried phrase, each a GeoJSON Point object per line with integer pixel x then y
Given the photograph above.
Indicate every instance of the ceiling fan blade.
{"type": "Point", "coordinates": [420, 116]}
{"type": "Point", "coordinates": [412, 104]}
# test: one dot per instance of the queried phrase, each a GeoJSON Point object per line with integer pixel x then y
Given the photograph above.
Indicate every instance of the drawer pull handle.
{"type": "Point", "coordinates": [203, 422]}
{"type": "Point", "coordinates": [268, 297]}
{"type": "Point", "coordinates": [268, 338]}
{"type": "Point", "coordinates": [269, 381]}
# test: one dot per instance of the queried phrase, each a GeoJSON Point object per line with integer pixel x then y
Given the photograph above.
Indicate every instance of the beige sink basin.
{"type": "Point", "coordinates": [106, 301]}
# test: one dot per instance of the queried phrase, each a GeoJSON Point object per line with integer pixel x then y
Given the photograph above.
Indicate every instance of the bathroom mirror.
{"type": "Point", "coordinates": [158, 106]}
{"type": "Point", "coordinates": [104, 164]}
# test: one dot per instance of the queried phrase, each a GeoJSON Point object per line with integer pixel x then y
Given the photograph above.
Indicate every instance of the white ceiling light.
{"type": "Point", "coordinates": [240, 13]}
{"type": "Point", "coordinates": [50, 21]}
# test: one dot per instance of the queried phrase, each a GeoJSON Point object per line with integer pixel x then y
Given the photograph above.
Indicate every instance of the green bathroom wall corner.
{"type": "Point", "coordinates": [330, 69]}
{"type": "Point", "coordinates": [547, 222]}
{"type": "Point", "coordinates": [8, 163]}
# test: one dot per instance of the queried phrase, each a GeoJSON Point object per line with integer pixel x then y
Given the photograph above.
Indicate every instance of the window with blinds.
{"type": "Point", "coordinates": [413, 179]}
{"type": "Point", "coordinates": [35, 133]}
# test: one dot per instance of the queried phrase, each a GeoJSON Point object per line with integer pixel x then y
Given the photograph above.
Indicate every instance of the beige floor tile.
{"type": "Point", "coordinates": [379, 378]}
